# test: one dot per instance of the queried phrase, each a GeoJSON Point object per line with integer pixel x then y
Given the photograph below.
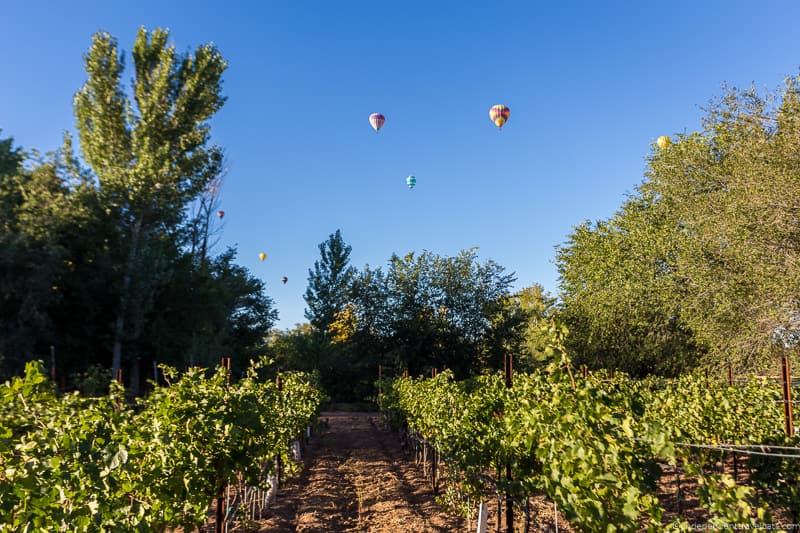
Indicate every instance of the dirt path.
{"type": "Point", "coordinates": [357, 479]}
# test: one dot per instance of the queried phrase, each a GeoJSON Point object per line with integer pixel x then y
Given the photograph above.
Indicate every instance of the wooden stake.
{"type": "Point", "coordinates": [786, 375]}
{"type": "Point", "coordinates": [509, 371]}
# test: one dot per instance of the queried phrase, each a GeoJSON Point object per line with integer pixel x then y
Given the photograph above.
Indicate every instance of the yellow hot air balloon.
{"type": "Point", "coordinates": [499, 115]}
{"type": "Point", "coordinates": [262, 256]}
{"type": "Point", "coordinates": [663, 142]}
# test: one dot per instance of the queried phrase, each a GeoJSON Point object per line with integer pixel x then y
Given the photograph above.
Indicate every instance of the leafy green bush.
{"type": "Point", "coordinates": [594, 445]}
{"type": "Point", "coordinates": [89, 464]}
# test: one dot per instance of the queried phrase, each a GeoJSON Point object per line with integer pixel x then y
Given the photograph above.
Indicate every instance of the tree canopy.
{"type": "Point", "coordinates": [700, 265]}
{"type": "Point", "coordinates": [110, 247]}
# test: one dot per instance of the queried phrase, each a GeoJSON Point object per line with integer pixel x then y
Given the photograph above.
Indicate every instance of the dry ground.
{"type": "Point", "coordinates": [358, 479]}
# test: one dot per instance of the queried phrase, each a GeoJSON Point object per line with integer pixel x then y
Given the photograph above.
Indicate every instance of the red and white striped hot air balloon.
{"type": "Point", "coordinates": [499, 114]}
{"type": "Point", "coordinates": [376, 120]}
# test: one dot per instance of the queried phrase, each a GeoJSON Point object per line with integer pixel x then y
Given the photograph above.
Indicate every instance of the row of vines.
{"type": "Point", "coordinates": [597, 445]}
{"type": "Point", "coordinates": [71, 463]}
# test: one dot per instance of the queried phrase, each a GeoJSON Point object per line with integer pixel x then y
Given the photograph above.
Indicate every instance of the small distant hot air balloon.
{"type": "Point", "coordinates": [411, 181]}
{"type": "Point", "coordinates": [262, 256]}
{"type": "Point", "coordinates": [284, 279]}
{"type": "Point", "coordinates": [221, 214]}
{"type": "Point", "coordinates": [499, 114]}
{"type": "Point", "coordinates": [663, 142]}
{"type": "Point", "coordinates": [376, 120]}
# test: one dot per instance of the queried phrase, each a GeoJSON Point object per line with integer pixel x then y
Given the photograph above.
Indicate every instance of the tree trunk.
{"type": "Point", "coordinates": [119, 323]}
{"type": "Point", "coordinates": [136, 377]}
{"type": "Point", "coordinates": [116, 353]}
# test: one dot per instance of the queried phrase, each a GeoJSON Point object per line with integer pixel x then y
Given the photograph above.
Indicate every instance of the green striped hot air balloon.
{"type": "Point", "coordinates": [411, 181]}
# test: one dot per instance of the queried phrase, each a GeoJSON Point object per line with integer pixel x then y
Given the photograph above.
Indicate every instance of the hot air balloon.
{"type": "Point", "coordinates": [221, 214]}
{"type": "Point", "coordinates": [284, 279]}
{"type": "Point", "coordinates": [376, 120]}
{"type": "Point", "coordinates": [262, 256]}
{"type": "Point", "coordinates": [663, 142]}
{"type": "Point", "coordinates": [411, 181]}
{"type": "Point", "coordinates": [499, 114]}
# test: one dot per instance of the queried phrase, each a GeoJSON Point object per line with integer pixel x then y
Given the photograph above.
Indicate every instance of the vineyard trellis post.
{"type": "Point", "coordinates": [278, 465]}
{"type": "Point", "coordinates": [433, 453]}
{"type": "Point", "coordinates": [509, 371]}
{"type": "Point", "coordinates": [735, 456]}
{"type": "Point", "coordinates": [483, 517]}
{"type": "Point", "coordinates": [786, 378]}
{"type": "Point", "coordinates": [219, 519]}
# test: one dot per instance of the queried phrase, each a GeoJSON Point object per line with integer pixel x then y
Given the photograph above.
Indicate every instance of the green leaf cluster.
{"type": "Point", "coordinates": [96, 464]}
{"type": "Point", "coordinates": [594, 445]}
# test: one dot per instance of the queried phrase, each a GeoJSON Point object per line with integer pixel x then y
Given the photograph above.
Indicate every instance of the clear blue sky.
{"type": "Point", "coordinates": [590, 86]}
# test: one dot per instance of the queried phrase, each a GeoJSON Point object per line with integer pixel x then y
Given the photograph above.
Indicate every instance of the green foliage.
{"type": "Point", "coordinates": [329, 282]}
{"type": "Point", "coordinates": [779, 477]}
{"type": "Point", "coordinates": [423, 311]}
{"type": "Point", "coordinates": [437, 309]}
{"type": "Point", "coordinates": [699, 266]}
{"type": "Point", "coordinates": [521, 324]}
{"type": "Point", "coordinates": [150, 154]}
{"type": "Point", "coordinates": [620, 299]}
{"type": "Point", "coordinates": [93, 382]}
{"type": "Point", "coordinates": [100, 252]}
{"type": "Point", "coordinates": [41, 212]}
{"type": "Point", "coordinates": [592, 445]}
{"type": "Point", "coordinates": [90, 464]}
{"type": "Point", "coordinates": [62, 459]}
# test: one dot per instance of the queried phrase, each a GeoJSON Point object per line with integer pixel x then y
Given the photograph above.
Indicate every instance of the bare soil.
{"type": "Point", "coordinates": [358, 479]}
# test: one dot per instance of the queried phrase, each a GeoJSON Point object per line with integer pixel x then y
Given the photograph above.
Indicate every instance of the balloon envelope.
{"type": "Point", "coordinates": [284, 279]}
{"type": "Point", "coordinates": [663, 141]}
{"type": "Point", "coordinates": [262, 256]}
{"type": "Point", "coordinates": [499, 114]}
{"type": "Point", "coordinates": [411, 181]}
{"type": "Point", "coordinates": [220, 214]}
{"type": "Point", "coordinates": [376, 120]}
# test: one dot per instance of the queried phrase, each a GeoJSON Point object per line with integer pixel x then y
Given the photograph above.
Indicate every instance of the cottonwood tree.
{"type": "Point", "coordinates": [150, 152]}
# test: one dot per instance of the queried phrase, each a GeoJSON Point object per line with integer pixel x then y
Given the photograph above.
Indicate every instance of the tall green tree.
{"type": "Point", "coordinates": [620, 296]}
{"type": "Point", "coordinates": [439, 309]}
{"type": "Point", "coordinates": [151, 154]}
{"type": "Point", "coordinates": [519, 326]}
{"type": "Point", "coordinates": [733, 194]}
{"type": "Point", "coordinates": [329, 282]}
{"type": "Point", "coordinates": [11, 157]}
{"type": "Point", "coordinates": [44, 215]}
{"type": "Point", "coordinates": [700, 265]}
